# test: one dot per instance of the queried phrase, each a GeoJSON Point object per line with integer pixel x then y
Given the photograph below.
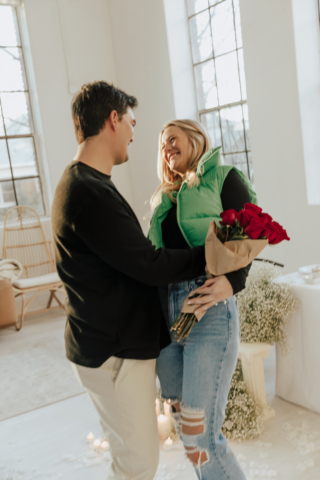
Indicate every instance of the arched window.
{"type": "Point", "coordinates": [216, 41]}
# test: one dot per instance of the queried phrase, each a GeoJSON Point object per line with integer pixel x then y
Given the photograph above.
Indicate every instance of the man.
{"type": "Point", "coordinates": [115, 329]}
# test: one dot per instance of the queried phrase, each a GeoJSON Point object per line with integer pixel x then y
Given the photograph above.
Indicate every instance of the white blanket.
{"type": "Point", "coordinates": [10, 269]}
{"type": "Point", "coordinates": [298, 372]}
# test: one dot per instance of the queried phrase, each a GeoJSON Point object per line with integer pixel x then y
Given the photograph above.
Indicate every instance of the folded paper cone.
{"type": "Point", "coordinates": [228, 257]}
{"type": "Point", "coordinates": [191, 308]}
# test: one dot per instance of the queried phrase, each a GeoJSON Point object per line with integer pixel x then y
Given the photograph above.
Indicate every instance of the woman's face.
{"type": "Point", "coordinates": [176, 149]}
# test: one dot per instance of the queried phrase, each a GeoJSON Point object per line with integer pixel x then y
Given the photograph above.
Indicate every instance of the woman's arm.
{"type": "Point", "coordinates": [234, 195]}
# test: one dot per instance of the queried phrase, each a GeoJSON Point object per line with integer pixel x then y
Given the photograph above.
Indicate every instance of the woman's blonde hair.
{"type": "Point", "coordinates": [200, 144]}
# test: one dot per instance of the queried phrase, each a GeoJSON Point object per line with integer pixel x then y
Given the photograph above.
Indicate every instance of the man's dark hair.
{"type": "Point", "coordinates": [91, 107]}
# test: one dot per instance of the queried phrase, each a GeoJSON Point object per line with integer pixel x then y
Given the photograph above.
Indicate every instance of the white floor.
{"type": "Point", "coordinates": [50, 442]}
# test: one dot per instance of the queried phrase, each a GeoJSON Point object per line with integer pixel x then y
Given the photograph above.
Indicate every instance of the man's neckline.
{"type": "Point", "coordinates": [74, 162]}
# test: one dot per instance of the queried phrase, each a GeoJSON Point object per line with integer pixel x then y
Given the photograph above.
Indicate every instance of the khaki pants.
{"type": "Point", "coordinates": [123, 392]}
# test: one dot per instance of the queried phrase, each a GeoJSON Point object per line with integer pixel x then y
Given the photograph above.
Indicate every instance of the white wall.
{"type": "Point", "coordinates": [143, 70]}
{"type": "Point", "coordinates": [276, 130]}
{"type": "Point", "coordinates": [184, 91]}
{"type": "Point", "coordinates": [306, 32]}
{"type": "Point", "coordinates": [71, 44]}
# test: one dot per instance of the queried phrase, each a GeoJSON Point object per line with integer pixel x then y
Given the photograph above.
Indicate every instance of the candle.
{"type": "Point", "coordinates": [97, 443]}
{"type": "Point", "coordinates": [157, 407]}
{"type": "Point", "coordinates": [105, 445]}
{"type": "Point", "coordinates": [168, 444]}
{"type": "Point", "coordinates": [164, 426]}
{"type": "Point", "coordinates": [90, 437]}
{"type": "Point", "coordinates": [167, 409]}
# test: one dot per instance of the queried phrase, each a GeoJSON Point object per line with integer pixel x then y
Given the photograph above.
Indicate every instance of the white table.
{"type": "Point", "coordinates": [298, 373]}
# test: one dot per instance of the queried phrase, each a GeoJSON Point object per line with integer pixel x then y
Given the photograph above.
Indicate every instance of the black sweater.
{"type": "Point", "coordinates": [234, 195]}
{"type": "Point", "coordinates": [110, 271]}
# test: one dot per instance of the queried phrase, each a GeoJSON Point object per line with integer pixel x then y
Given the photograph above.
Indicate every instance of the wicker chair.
{"type": "Point", "coordinates": [24, 240]}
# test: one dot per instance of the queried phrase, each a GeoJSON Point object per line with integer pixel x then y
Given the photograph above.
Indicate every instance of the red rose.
{"type": "Point", "coordinates": [252, 209]}
{"type": "Point", "coordinates": [281, 233]}
{"type": "Point", "coordinates": [270, 233]}
{"type": "Point", "coordinates": [255, 229]}
{"type": "Point", "coordinates": [265, 218]}
{"type": "Point", "coordinates": [228, 217]}
{"type": "Point", "coordinates": [275, 233]}
{"type": "Point", "coordinates": [244, 218]}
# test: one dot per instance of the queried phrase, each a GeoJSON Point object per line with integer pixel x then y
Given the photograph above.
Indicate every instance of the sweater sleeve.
{"type": "Point", "coordinates": [234, 195]}
{"type": "Point", "coordinates": [107, 228]}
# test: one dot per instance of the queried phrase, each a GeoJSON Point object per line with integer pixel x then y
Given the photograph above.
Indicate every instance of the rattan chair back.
{"type": "Point", "coordinates": [24, 240]}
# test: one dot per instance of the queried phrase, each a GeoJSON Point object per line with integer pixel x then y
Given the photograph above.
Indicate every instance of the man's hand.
{"type": "Point", "coordinates": [214, 290]}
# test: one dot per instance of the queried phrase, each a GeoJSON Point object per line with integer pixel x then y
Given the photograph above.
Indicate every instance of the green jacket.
{"type": "Point", "coordinates": [197, 206]}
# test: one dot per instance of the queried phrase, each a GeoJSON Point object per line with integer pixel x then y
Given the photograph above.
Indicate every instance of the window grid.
{"type": "Point", "coordinates": [31, 194]}
{"type": "Point", "coordinates": [221, 105]}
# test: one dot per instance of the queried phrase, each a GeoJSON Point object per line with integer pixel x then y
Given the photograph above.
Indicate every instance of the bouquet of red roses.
{"type": "Point", "coordinates": [242, 236]}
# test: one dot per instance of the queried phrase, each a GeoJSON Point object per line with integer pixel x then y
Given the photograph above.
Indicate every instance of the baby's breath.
{"type": "Point", "coordinates": [243, 418]}
{"type": "Point", "coordinates": [265, 306]}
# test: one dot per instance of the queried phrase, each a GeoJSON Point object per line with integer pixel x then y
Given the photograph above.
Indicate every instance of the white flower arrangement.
{"type": "Point", "coordinates": [265, 306]}
{"type": "Point", "coordinates": [243, 418]}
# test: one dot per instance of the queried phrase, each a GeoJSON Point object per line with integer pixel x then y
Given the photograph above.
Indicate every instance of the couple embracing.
{"type": "Point", "coordinates": [124, 291]}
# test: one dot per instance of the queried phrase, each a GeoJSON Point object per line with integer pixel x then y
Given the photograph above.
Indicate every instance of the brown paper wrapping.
{"type": "Point", "coordinates": [227, 257]}
{"type": "Point", "coordinates": [191, 308]}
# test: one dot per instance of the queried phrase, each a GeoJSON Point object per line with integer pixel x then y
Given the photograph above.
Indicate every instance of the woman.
{"type": "Point", "coordinates": [195, 374]}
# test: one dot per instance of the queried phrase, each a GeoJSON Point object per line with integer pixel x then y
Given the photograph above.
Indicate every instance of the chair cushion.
{"type": "Point", "coordinates": [37, 281]}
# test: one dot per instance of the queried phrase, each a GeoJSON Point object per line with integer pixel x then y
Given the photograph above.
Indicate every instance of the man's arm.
{"type": "Point", "coordinates": [107, 228]}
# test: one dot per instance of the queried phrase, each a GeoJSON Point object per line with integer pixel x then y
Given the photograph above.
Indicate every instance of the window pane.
{"type": "Point", "coordinates": [201, 37]}
{"type": "Point", "coordinates": [237, 22]}
{"type": "Point", "coordinates": [223, 28]}
{"type": "Point", "coordinates": [12, 76]}
{"type": "Point", "coordinates": [232, 129]}
{"type": "Point", "coordinates": [211, 122]}
{"type": "Point", "coordinates": [206, 85]}
{"type": "Point", "coordinates": [7, 198]}
{"type": "Point", "coordinates": [23, 158]}
{"type": "Point", "coordinates": [16, 112]}
{"type": "Point", "coordinates": [1, 124]}
{"type": "Point", "coordinates": [29, 193]}
{"type": "Point", "coordinates": [196, 6]}
{"type": "Point", "coordinates": [251, 167]}
{"type": "Point", "coordinates": [246, 125]}
{"type": "Point", "coordinates": [5, 172]}
{"type": "Point", "coordinates": [239, 160]}
{"type": "Point", "coordinates": [242, 75]}
{"type": "Point", "coordinates": [228, 79]}
{"type": "Point", "coordinates": [9, 33]}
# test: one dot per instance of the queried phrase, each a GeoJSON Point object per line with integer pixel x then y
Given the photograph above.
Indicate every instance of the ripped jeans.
{"type": "Point", "coordinates": [195, 375]}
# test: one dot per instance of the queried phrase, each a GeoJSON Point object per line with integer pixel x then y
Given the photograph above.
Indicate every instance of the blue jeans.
{"type": "Point", "coordinates": [195, 375]}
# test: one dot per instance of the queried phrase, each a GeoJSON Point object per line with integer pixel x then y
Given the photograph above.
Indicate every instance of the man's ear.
{"type": "Point", "coordinates": [113, 120]}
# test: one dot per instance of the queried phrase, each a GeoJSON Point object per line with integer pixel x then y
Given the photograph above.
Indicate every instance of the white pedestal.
{"type": "Point", "coordinates": [251, 356]}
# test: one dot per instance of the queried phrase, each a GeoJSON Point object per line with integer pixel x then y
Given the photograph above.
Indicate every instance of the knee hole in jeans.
{"type": "Point", "coordinates": [192, 425]}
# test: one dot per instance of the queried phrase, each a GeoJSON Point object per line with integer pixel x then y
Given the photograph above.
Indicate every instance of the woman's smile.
{"type": "Point", "coordinates": [176, 148]}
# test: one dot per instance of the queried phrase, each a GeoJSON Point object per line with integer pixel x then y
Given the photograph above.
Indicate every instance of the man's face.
{"type": "Point", "coordinates": [125, 135]}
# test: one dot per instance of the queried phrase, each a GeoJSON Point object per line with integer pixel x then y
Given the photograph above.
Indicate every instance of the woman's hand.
{"type": "Point", "coordinates": [214, 290]}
